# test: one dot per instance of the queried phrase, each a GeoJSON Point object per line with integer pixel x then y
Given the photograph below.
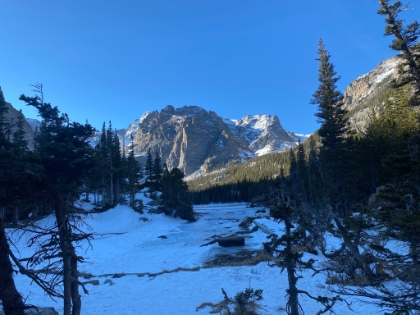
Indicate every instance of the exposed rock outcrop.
{"type": "Point", "coordinates": [12, 117]}
{"type": "Point", "coordinates": [195, 140]}
{"type": "Point", "coordinates": [364, 85]}
{"type": "Point", "coordinates": [359, 96]}
{"type": "Point", "coordinates": [189, 138]}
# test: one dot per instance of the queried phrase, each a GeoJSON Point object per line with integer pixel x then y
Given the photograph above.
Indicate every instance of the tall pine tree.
{"type": "Point", "coordinates": [333, 128]}
{"type": "Point", "coordinates": [149, 168]}
{"type": "Point", "coordinates": [65, 156]}
{"type": "Point", "coordinates": [406, 41]}
{"type": "Point", "coordinates": [157, 172]}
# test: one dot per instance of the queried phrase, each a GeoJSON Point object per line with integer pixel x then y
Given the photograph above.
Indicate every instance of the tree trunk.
{"type": "Point", "coordinates": [414, 251]}
{"type": "Point", "coordinates": [75, 296]}
{"type": "Point", "coordinates": [16, 215]}
{"type": "Point", "coordinates": [131, 197]}
{"type": "Point", "coordinates": [63, 234]}
{"type": "Point", "coordinates": [354, 250]}
{"type": "Point", "coordinates": [11, 298]}
{"type": "Point", "coordinates": [293, 302]}
{"type": "Point", "coordinates": [35, 212]}
{"type": "Point", "coordinates": [70, 274]}
{"type": "Point", "coordinates": [111, 181]}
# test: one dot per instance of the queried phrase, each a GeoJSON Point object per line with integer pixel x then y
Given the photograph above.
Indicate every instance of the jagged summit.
{"type": "Point", "coordinates": [194, 139]}
{"type": "Point", "coordinates": [263, 133]}
{"type": "Point", "coordinates": [189, 138]}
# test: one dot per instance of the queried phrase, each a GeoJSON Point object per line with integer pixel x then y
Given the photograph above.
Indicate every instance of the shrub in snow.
{"type": "Point", "coordinates": [244, 303]}
{"type": "Point", "coordinates": [138, 206]}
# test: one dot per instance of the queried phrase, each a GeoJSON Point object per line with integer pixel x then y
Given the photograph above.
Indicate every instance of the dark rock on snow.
{"type": "Point", "coordinates": [231, 241]}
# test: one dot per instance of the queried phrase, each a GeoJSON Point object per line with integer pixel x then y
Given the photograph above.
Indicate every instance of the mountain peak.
{"type": "Point", "coordinates": [194, 139]}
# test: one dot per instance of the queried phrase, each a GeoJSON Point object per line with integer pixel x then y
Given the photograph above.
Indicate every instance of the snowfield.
{"type": "Point", "coordinates": [127, 244]}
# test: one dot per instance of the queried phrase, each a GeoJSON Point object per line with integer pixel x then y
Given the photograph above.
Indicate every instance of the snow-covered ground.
{"type": "Point", "coordinates": [125, 243]}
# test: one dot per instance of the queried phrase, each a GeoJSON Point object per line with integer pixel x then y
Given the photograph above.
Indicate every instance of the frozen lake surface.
{"type": "Point", "coordinates": [126, 243]}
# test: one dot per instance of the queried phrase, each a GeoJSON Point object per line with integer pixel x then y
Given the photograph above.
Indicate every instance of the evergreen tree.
{"type": "Point", "coordinates": [330, 113]}
{"type": "Point", "coordinates": [65, 156]}
{"type": "Point", "coordinates": [111, 166]}
{"type": "Point", "coordinates": [333, 156]}
{"type": "Point", "coordinates": [19, 136]}
{"type": "Point", "coordinates": [333, 129]}
{"type": "Point", "coordinates": [118, 167]}
{"type": "Point", "coordinates": [166, 184]}
{"type": "Point", "coordinates": [284, 208]}
{"type": "Point", "coordinates": [110, 163]}
{"type": "Point", "coordinates": [157, 172]}
{"type": "Point", "coordinates": [149, 168]}
{"type": "Point", "coordinates": [134, 172]}
{"type": "Point", "coordinates": [174, 194]}
{"type": "Point", "coordinates": [405, 40]}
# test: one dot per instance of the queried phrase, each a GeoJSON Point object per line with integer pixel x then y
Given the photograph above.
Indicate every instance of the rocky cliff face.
{"type": "Point", "coordinates": [189, 138]}
{"type": "Point", "coordinates": [196, 140]}
{"type": "Point", "coordinates": [12, 117]}
{"type": "Point", "coordinates": [365, 91]}
{"type": "Point", "coordinates": [364, 85]}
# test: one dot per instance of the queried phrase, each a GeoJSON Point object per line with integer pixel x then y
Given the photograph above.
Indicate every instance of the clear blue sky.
{"type": "Point", "coordinates": [113, 60]}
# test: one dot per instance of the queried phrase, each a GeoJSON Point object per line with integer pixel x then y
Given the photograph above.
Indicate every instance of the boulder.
{"type": "Point", "coordinates": [231, 241]}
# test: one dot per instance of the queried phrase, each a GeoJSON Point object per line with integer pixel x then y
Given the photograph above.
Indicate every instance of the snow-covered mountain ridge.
{"type": "Point", "coordinates": [263, 133]}
{"type": "Point", "coordinates": [196, 140]}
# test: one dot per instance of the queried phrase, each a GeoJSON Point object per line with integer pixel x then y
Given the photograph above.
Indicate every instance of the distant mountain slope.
{"type": "Point", "coordinates": [189, 138]}
{"type": "Point", "coordinates": [198, 141]}
{"type": "Point", "coordinates": [368, 91]}
{"type": "Point", "coordinates": [34, 123]}
{"type": "Point", "coordinates": [12, 116]}
{"type": "Point", "coordinates": [263, 133]}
